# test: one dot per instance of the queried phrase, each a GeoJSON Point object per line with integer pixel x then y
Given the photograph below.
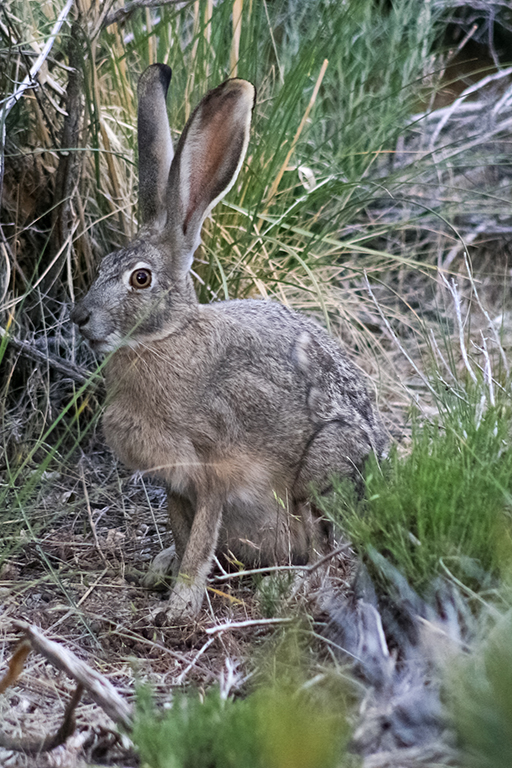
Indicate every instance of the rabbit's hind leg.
{"type": "Point", "coordinates": [337, 449]}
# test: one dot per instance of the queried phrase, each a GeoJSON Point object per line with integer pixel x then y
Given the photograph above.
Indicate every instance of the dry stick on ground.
{"type": "Point", "coordinates": [306, 569]}
{"type": "Point", "coordinates": [99, 688]}
{"type": "Point", "coordinates": [230, 625]}
{"type": "Point", "coordinates": [194, 661]}
{"type": "Point", "coordinates": [72, 371]}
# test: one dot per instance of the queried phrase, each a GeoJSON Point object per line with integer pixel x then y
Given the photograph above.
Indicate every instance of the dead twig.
{"type": "Point", "coordinates": [101, 691]}
{"type": "Point", "coordinates": [36, 746]}
{"type": "Point", "coordinates": [123, 13]}
{"type": "Point", "coordinates": [194, 661]}
{"type": "Point", "coordinates": [306, 569]}
{"type": "Point", "coordinates": [72, 371]}
{"type": "Point", "coordinates": [242, 624]}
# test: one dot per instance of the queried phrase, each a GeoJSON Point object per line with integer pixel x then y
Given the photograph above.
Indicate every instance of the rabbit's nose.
{"type": "Point", "coordinates": [80, 315]}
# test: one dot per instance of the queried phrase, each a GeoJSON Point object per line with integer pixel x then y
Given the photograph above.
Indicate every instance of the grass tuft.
{"type": "Point", "coordinates": [480, 692]}
{"type": "Point", "coordinates": [443, 507]}
{"type": "Point", "coordinates": [277, 726]}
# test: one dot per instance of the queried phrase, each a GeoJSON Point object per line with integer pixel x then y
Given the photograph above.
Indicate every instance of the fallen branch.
{"type": "Point", "coordinates": [74, 372]}
{"type": "Point", "coordinates": [98, 687]}
{"type": "Point", "coordinates": [242, 624]}
{"type": "Point", "coordinates": [101, 691]}
{"type": "Point", "coordinates": [305, 569]}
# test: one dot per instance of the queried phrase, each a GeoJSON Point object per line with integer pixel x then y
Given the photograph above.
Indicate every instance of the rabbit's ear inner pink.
{"type": "Point", "coordinates": [208, 159]}
{"type": "Point", "coordinates": [155, 144]}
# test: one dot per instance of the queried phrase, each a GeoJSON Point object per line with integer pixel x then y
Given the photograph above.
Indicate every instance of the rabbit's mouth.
{"type": "Point", "coordinates": [97, 329]}
{"type": "Point", "coordinates": [107, 345]}
{"type": "Point", "coordinates": [100, 346]}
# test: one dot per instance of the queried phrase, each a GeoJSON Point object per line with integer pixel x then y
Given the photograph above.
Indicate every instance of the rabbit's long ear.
{"type": "Point", "coordinates": [208, 158]}
{"type": "Point", "coordinates": [155, 145]}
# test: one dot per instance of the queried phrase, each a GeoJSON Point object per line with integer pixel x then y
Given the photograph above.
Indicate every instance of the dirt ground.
{"type": "Point", "coordinates": [79, 582]}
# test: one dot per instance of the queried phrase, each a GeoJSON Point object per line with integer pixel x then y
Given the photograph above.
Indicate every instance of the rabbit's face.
{"type": "Point", "coordinates": [134, 300]}
{"type": "Point", "coordinates": [144, 292]}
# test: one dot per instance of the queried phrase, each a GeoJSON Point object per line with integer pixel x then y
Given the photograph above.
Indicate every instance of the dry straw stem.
{"type": "Point", "coordinates": [238, 6]}
{"type": "Point", "coordinates": [29, 82]}
{"type": "Point", "coordinates": [277, 180]}
{"type": "Point", "coordinates": [453, 289]}
{"type": "Point", "coordinates": [193, 56]}
{"type": "Point", "coordinates": [208, 13]}
{"type": "Point", "coordinates": [111, 162]}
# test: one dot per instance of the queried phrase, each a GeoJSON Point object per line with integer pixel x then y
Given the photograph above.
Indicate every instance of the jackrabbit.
{"type": "Point", "coordinates": [238, 406]}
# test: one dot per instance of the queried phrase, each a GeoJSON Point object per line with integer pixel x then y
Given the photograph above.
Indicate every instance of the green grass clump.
{"type": "Point", "coordinates": [189, 733]}
{"type": "Point", "coordinates": [442, 508]}
{"type": "Point", "coordinates": [481, 700]}
{"type": "Point", "coordinates": [277, 726]}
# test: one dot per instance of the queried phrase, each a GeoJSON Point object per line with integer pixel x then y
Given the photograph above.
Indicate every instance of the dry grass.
{"type": "Point", "coordinates": [78, 582]}
{"type": "Point", "coordinates": [367, 250]}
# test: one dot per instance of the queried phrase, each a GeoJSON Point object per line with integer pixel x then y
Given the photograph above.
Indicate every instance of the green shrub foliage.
{"type": "Point", "coordinates": [442, 508]}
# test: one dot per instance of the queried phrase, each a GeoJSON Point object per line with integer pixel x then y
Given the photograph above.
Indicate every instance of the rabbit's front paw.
{"type": "Point", "coordinates": [185, 602]}
{"type": "Point", "coordinates": [161, 567]}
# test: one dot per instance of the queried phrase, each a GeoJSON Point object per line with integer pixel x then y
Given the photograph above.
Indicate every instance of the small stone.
{"type": "Point", "coordinates": [160, 619]}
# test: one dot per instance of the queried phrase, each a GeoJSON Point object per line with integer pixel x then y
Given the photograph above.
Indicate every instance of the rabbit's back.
{"type": "Point", "coordinates": [298, 357]}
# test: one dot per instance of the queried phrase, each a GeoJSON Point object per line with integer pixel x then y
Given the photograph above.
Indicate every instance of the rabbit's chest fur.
{"type": "Point", "coordinates": [210, 405]}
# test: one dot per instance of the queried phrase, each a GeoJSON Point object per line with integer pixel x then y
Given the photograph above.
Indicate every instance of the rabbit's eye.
{"type": "Point", "coordinates": [141, 278]}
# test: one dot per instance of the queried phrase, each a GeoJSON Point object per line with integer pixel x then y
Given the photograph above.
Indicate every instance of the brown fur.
{"type": "Point", "coordinates": [238, 406]}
